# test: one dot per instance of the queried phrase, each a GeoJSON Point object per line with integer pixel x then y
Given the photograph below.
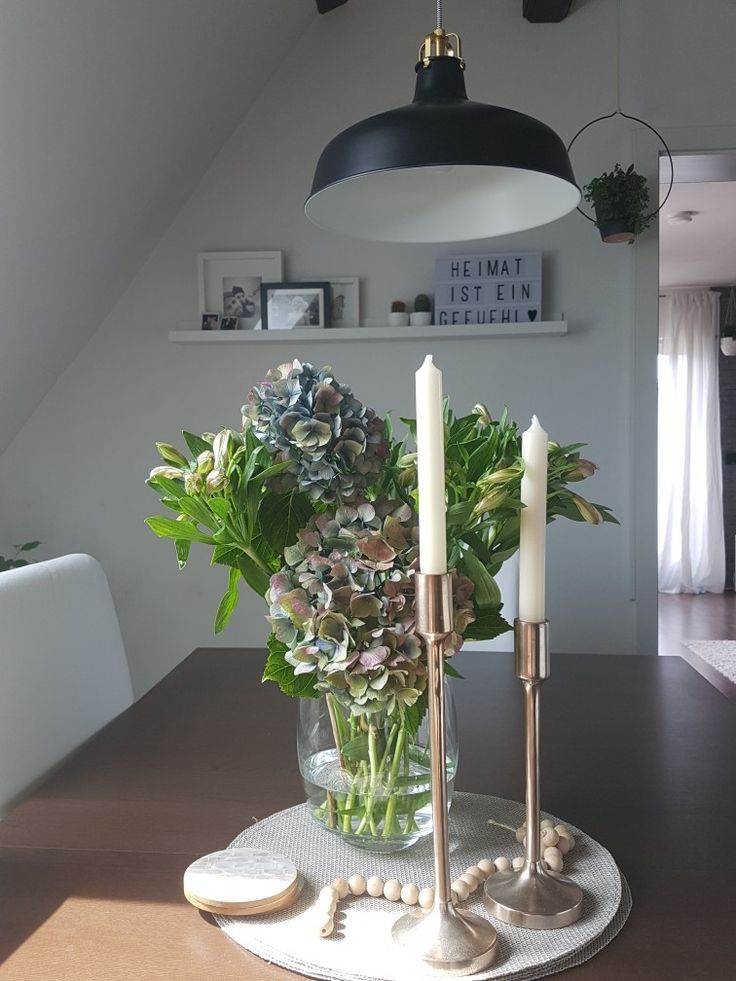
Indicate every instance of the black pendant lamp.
{"type": "Point", "coordinates": [443, 169]}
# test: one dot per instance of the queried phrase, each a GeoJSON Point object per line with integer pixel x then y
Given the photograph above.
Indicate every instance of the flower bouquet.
{"type": "Point", "coordinates": [314, 506]}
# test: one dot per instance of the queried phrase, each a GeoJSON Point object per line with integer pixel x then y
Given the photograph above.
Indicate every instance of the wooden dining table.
{"type": "Point", "coordinates": [640, 752]}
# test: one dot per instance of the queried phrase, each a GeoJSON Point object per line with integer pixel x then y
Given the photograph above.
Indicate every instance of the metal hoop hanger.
{"type": "Point", "coordinates": [618, 111]}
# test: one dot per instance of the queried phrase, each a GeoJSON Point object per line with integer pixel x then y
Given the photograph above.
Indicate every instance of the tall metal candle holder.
{"type": "Point", "coordinates": [445, 939]}
{"type": "Point", "coordinates": [534, 897]}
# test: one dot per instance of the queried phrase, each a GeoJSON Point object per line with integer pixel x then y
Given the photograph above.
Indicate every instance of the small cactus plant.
{"type": "Point", "coordinates": [422, 303]}
{"type": "Point", "coordinates": [398, 306]}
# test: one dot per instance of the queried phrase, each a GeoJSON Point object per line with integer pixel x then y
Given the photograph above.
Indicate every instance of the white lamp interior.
{"type": "Point", "coordinates": [441, 204]}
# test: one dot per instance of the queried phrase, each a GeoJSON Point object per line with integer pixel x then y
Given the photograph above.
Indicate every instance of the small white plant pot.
{"type": "Point", "coordinates": [728, 346]}
{"type": "Point", "coordinates": [422, 319]}
{"type": "Point", "coordinates": [398, 319]}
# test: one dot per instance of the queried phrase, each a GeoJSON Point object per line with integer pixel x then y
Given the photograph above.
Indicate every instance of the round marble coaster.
{"type": "Point", "coordinates": [240, 881]}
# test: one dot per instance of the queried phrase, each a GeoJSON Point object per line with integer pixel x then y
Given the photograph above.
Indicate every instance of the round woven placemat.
{"type": "Point", "coordinates": [361, 949]}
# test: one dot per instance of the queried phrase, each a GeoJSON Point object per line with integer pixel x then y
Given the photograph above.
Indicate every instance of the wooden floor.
{"type": "Point", "coordinates": [709, 616]}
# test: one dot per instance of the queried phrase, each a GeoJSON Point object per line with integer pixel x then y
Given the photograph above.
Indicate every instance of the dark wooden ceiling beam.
{"type": "Point", "coordinates": [325, 6]}
{"type": "Point", "coordinates": [546, 11]}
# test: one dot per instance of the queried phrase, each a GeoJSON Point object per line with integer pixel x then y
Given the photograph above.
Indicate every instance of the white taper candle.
{"type": "Point", "coordinates": [431, 469]}
{"type": "Point", "coordinates": [533, 531]}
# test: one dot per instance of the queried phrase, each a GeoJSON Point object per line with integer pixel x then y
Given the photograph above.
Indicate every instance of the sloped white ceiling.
{"type": "Point", "coordinates": [701, 252]}
{"type": "Point", "coordinates": [110, 112]}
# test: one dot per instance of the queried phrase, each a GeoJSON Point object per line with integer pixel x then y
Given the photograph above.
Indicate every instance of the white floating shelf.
{"type": "Point", "coordinates": [191, 335]}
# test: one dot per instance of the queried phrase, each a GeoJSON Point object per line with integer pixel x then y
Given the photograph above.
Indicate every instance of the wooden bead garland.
{"type": "Point", "coordinates": [555, 843]}
{"type": "Point", "coordinates": [555, 839]}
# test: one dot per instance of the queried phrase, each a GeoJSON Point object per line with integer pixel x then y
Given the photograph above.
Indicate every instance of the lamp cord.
{"type": "Point", "coordinates": [439, 13]}
{"type": "Point", "coordinates": [618, 55]}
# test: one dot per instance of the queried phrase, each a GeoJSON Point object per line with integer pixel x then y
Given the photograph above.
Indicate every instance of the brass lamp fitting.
{"type": "Point", "coordinates": [440, 44]}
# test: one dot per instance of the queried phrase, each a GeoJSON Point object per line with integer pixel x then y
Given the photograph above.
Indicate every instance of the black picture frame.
{"type": "Point", "coordinates": [273, 318]}
{"type": "Point", "coordinates": [210, 321]}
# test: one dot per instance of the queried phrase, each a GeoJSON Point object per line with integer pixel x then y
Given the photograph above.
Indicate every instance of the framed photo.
{"type": "Point", "coordinates": [228, 323]}
{"type": "Point", "coordinates": [210, 321]}
{"type": "Point", "coordinates": [230, 284]}
{"type": "Point", "coordinates": [345, 302]}
{"type": "Point", "coordinates": [288, 306]}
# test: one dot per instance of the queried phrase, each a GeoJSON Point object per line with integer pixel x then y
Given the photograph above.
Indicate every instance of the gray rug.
{"type": "Point", "coordinates": [361, 948]}
{"type": "Point", "coordinates": [720, 654]}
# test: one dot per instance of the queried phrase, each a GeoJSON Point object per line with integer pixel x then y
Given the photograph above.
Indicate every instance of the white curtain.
{"type": "Point", "coordinates": [690, 491]}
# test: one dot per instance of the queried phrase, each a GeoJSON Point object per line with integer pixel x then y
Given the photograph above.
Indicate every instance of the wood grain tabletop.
{"type": "Point", "coordinates": [638, 751]}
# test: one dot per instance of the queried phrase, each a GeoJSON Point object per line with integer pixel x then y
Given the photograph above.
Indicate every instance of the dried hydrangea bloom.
{"type": "Point", "coordinates": [344, 606]}
{"type": "Point", "coordinates": [334, 444]}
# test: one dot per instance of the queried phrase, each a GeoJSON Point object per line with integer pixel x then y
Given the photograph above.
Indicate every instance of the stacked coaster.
{"type": "Point", "coordinates": [242, 882]}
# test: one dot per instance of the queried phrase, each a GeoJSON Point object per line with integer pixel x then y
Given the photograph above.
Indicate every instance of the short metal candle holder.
{"type": "Point", "coordinates": [534, 897]}
{"type": "Point", "coordinates": [445, 939]}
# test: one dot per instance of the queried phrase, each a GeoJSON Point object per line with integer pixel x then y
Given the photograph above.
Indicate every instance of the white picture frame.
{"type": "Point", "coordinates": [230, 283]}
{"type": "Point", "coordinates": [345, 301]}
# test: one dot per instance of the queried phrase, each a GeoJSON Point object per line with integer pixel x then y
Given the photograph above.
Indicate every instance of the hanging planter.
{"type": "Point", "coordinates": [621, 198]}
{"type": "Point", "coordinates": [621, 203]}
{"type": "Point", "coordinates": [728, 339]}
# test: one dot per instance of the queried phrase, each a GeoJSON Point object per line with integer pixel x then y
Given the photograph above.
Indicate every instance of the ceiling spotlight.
{"type": "Point", "coordinates": [681, 217]}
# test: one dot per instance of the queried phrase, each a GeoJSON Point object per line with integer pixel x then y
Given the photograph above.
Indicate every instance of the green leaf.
{"type": "Point", "coordinates": [413, 715]}
{"type": "Point", "coordinates": [167, 486]}
{"type": "Point", "coordinates": [478, 546]}
{"type": "Point", "coordinates": [487, 593]}
{"type": "Point", "coordinates": [220, 507]}
{"type": "Point", "coordinates": [226, 555]}
{"type": "Point", "coordinates": [459, 514]}
{"type": "Point", "coordinates": [356, 749]}
{"type": "Point", "coordinates": [196, 444]}
{"type": "Point", "coordinates": [280, 517]}
{"type": "Point", "coordinates": [279, 670]}
{"type": "Point", "coordinates": [199, 511]}
{"type": "Point", "coordinates": [168, 528]}
{"type": "Point", "coordinates": [182, 552]}
{"type": "Point", "coordinates": [223, 536]}
{"type": "Point", "coordinates": [451, 671]}
{"type": "Point", "coordinates": [254, 575]}
{"type": "Point", "coordinates": [487, 625]}
{"type": "Point", "coordinates": [228, 602]}
{"type": "Point", "coordinates": [271, 471]}
{"type": "Point", "coordinates": [263, 551]}
{"type": "Point", "coordinates": [29, 546]}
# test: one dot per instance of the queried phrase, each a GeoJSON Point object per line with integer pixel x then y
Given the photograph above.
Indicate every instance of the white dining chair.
{"type": "Point", "coordinates": [63, 670]}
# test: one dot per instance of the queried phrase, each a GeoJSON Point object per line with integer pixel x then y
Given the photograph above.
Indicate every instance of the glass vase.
{"type": "Point", "coordinates": [367, 779]}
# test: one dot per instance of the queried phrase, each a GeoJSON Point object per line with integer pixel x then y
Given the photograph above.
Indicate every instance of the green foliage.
{"type": "Point", "coordinates": [279, 670]}
{"type": "Point", "coordinates": [622, 194]}
{"type": "Point", "coordinates": [281, 517]}
{"type": "Point", "coordinates": [322, 526]}
{"type": "Point", "coordinates": [13, 561]}
{"type": "Point", "coordinates": [228, 602]}
{"type": "Point", "coordinates": [422, 303]}
{"type": "Point", "coordinates": [483, 470]}
{"type": "Point", "coordinates": [222, 499]}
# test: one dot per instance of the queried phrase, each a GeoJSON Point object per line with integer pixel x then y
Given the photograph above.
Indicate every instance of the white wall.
{"type": "Point", "coordinates": [110, 113]}
{"type": "Point", "coordinates": [74, 476]}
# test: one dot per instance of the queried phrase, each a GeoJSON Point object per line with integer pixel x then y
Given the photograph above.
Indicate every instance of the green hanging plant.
{"type": "Point", "coordinates": [621, 203]}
